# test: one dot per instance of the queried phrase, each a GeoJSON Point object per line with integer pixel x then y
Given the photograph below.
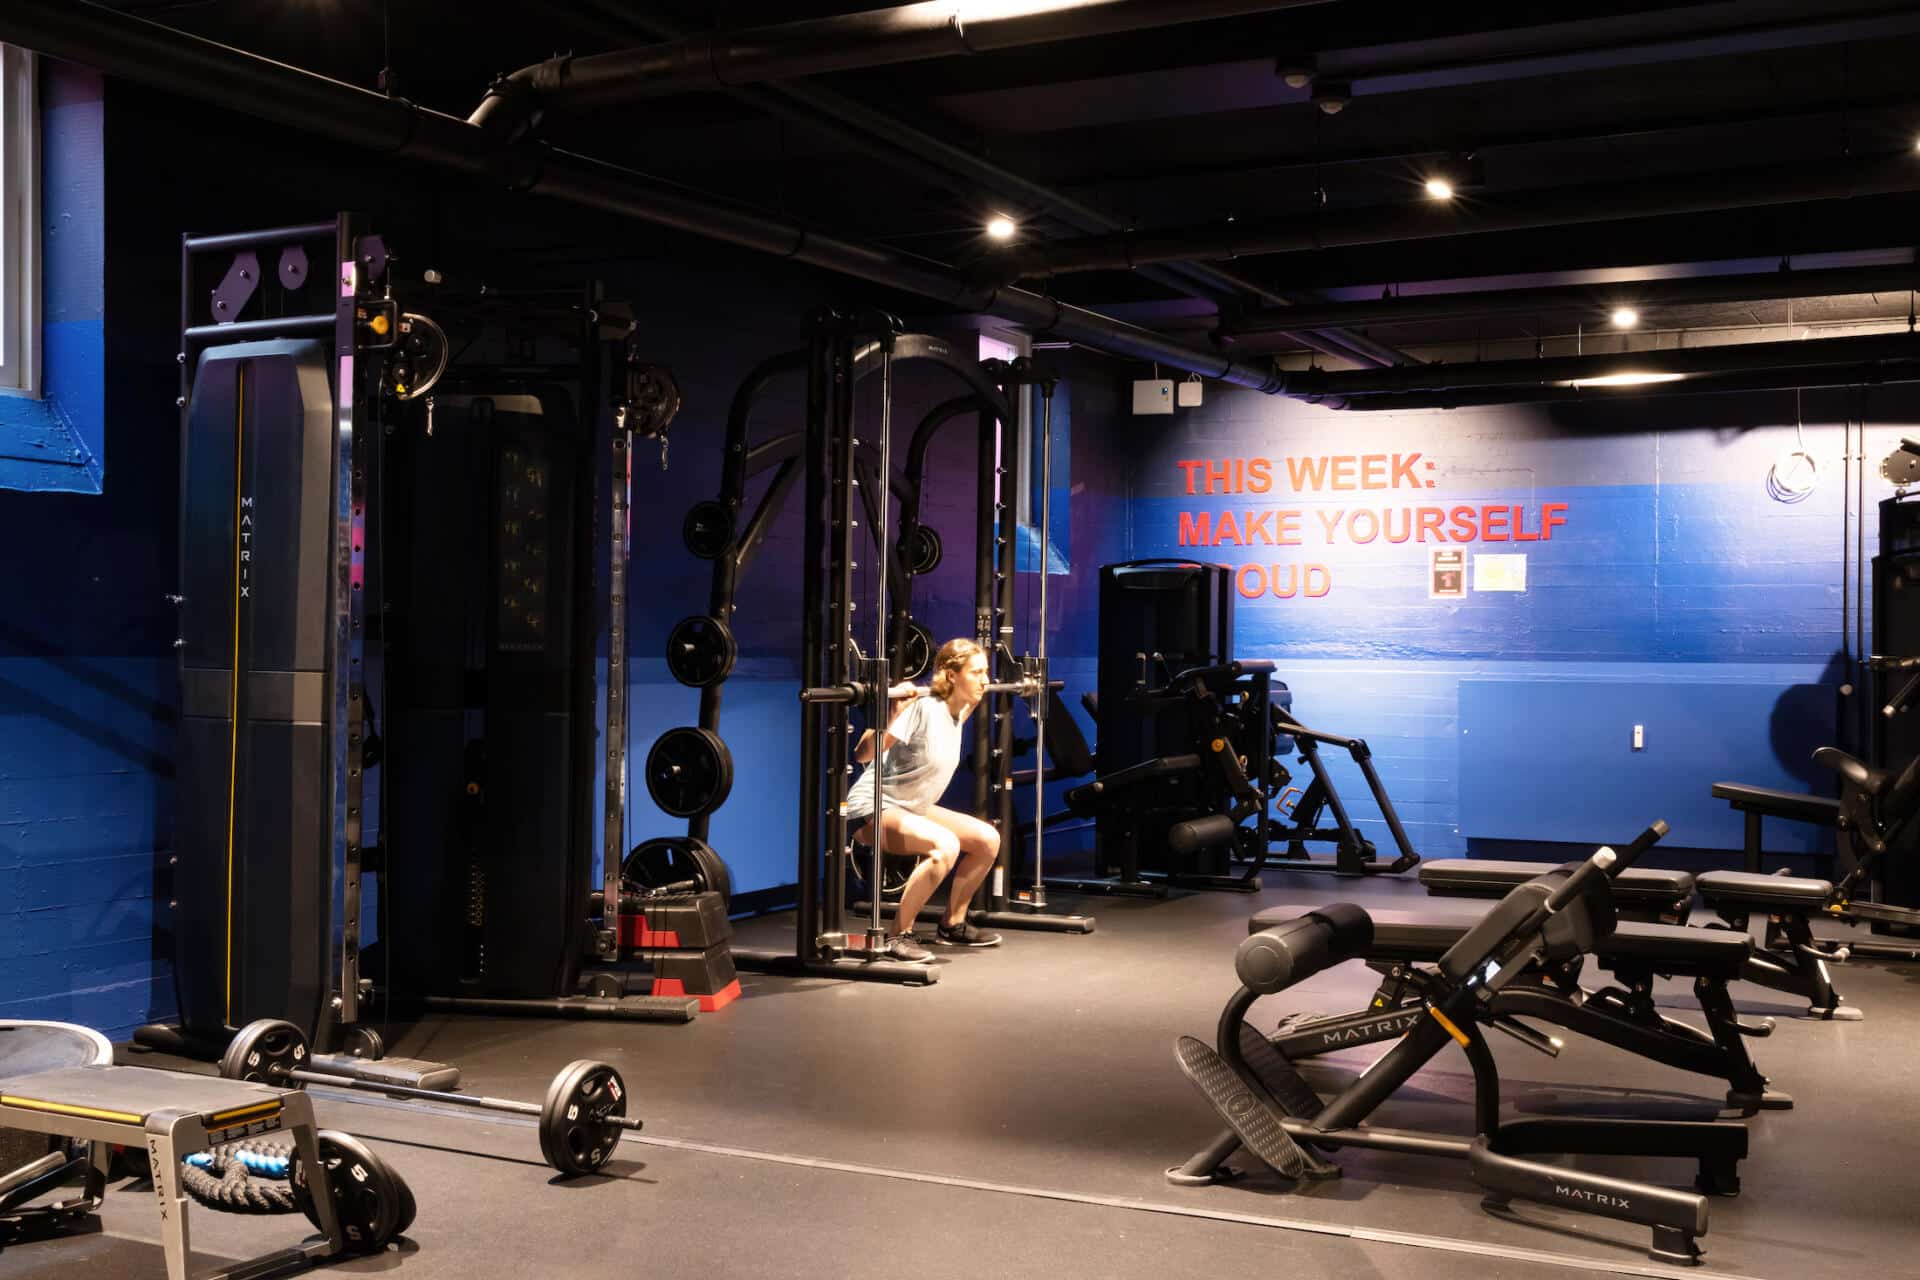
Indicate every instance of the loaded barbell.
{"type": "Point", "coordinates": [581, 1118]}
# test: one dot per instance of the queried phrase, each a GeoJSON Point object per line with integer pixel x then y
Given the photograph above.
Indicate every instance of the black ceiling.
{"type": "Point", "coordinates": [1190, 126]}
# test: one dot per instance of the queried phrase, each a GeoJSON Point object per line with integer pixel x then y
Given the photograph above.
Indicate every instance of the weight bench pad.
{"type": "Point", "coordinates": [1794, 805]}
{"type": "Point", "coordinates": [133, 1094]}
{"type": "Point", "coordinates": [1747, 888]}
{"type": "Point", "coordinates": [1668, 949]}
{"type": "Point", "coordinates": [1486, 878]}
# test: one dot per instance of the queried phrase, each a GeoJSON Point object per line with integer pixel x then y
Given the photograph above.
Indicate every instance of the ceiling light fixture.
{"type": "Point", "coordinates": [1001, 227]}
{"type": "Point", "coordinates": [1626, 379]}
{"type": "Point", "coordinates": [1439, 188]}
{"type": "Point", "coordinates": [1625, 317]}
{"type": "Point", "coordinates": [1332, 96]}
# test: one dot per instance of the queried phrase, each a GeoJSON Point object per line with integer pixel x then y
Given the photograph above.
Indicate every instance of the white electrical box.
{"type": "Point", "coordinates": [1188, 395]}
{"type": "Point", "coordinates": [1153, 395]}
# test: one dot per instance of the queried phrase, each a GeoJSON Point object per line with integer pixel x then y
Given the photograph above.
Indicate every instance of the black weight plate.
{"type": "Point", "coordinates": [362, 1041]}
{"type": "Point", "coordinates": [701, 651]}
{"type": "Point", "coordinates": [367, 1198]}
{"type": "Point", "coordinates": [713, 869]}
{"type": "Point", "coordinates": [576, 1135]}
{"type": "Point", "coordinates": [673, 859]}
{"type": "Point", "coordinates": [408, 1206]}
{"type": "Point", "coordinates": [263, 1051]}
{"type": "Point", "coordinates": [708, 529]}
{"type": "Point", "coordinates": [689, 771]}
{"type": "Point", "coordinates": [919, 549]}
{"type": "Point", "coordinates": [913, 659]}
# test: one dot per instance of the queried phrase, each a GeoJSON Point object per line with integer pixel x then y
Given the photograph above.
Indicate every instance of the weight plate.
{"type": "Point", "coordinates": [673, 859]}
{"type": "Point", "coordinates": [576, 1132]}
{"type": "Point", "coordinates": [408, 1206]}
{"type": "Point", "coordinates": [708, 529]}
{"type": "Point", "coordinates": [913, 659]}
{"type": "Point", "coordinates": [264, 1051]}
{"type": "Point", "coordinates": [689, 771]}
{"type": "Point", "coordinates": [701, 651]}
{"type": "Point", "coordinates": [919, 549]}
{"type": "Point", "coordinates": [367, 1196]}
{"type": "Point", "coordinates": [362, 1041]}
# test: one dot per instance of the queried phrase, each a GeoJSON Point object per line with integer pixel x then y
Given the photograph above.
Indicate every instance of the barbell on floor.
{"type": "Point", "coordinates": [580, 1121]}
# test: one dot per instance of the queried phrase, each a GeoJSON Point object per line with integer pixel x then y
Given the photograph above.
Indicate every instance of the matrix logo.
{"type": "Point", "coordinates": [246, 548]}
{"type": "Point", "coordinates": [1591, 1197]}
{"type": "Point", "coordinates": [1376, 1030]}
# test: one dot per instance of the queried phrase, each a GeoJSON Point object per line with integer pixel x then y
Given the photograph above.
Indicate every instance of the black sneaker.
{"type": "Point", "coordinates": [965, 934]}
{"type": "Point", "coordinates": [905, 948]}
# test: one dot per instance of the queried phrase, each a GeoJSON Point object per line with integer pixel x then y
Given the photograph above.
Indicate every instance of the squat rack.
{"type": "Point", "coordinates": [835, 671]}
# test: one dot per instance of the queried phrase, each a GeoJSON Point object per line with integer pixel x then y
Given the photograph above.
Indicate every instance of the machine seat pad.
{"type": "Point", "coordinates": [1487, 878]}
{"type": "Point", "coordinates": [1665, 948]}
{"type": "Point", "coordinates": [1795, 805]}
{"type": "Point", "coordinates": [1748, 888]}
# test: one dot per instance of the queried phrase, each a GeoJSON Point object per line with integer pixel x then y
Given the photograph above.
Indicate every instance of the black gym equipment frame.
{"type": "Point", "coordinates": [267, 882]}
{"type": "Point", "coordinates": [842, 350]}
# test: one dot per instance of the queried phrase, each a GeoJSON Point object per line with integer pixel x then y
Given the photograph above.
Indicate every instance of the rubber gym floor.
{"type": "Point", "coordinates": [1016, 1119]}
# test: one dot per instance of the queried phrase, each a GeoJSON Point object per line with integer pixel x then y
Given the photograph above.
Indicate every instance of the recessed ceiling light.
{"type": "Point", "coordinates": [1439, 188]}
{"type": "Point", "coordinates": [1002, 227]}
{"type": "Point", "coordinates": [1625, 317]}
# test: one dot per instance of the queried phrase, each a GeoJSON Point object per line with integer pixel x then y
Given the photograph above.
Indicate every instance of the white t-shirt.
{"type": "Point", "coordinates": [919, 765]}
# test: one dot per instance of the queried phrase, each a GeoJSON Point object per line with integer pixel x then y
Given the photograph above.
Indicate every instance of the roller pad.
{"type": "Point", "coordinates": [1279, 956]}
{"type": "Point", "coordinates": [1251, 1120]}
{"type": "Point", "coordinates": [1201, 833]}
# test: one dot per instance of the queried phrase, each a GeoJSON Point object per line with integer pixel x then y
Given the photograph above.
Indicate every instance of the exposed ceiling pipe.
{"type": "Point", "coordinates": [1674, 363]}
{"type": "Point", "coordinates": [1813, 379]}
{"type": "Point", "coordinates": [1644, 37]}
{"type": "Point", "coordinates": [147, 53]}
{"type": "Point", "coordinates": [941, 162]}
{"type": "Point", "coordinates": [1641, 295]}
{"type": "Point", "coordinates": [1471, 215]}
{"type": "Point", "coordinates": [844, 42]}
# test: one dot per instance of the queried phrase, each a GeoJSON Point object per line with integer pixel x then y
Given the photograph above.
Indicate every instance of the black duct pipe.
{"type": "Point", "coordinates": [1809, 379]}
{"type": "Point", "coordinates": [844, 42]}
{"type": "Point", "coordinates": [941, 163]}
{"type": "Point", "coordinates": [1642, 295]}
{"type": "Point", "coordinates": [1673, 363]}
{"type": "Point", "coordinates": [147, 53]}
{"type": "Point", "coordinates": [1560, 207]}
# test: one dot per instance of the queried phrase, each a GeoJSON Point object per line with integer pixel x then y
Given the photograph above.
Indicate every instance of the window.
{"type": "Point", "coordinates": [52, 288]}
{"type": "Point", "coordinates": [19, 223]}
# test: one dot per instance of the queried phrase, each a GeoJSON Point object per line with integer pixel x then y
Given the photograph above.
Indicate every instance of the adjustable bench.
{"type": "Point", "coordinates": [1623, 1016]}
{"type": "Point", "coordinates": [1789, 958]}
{"type": "Point", "coordinates": [1786, 959]}
{"type": "Point", "coordinates": [1639, 893]}
{"type": "Point", "coordinates": [1764, 802]}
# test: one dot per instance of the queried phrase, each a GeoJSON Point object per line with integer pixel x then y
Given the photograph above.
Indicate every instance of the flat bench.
{"type": "Point", "coordinates": [171, 1115]}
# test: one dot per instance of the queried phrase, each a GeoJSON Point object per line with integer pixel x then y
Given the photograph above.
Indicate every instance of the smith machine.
{"type": "Point", "coordinates": [837, 671]}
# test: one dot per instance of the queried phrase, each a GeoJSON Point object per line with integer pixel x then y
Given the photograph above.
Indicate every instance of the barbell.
{"type": "Point", "coordinates": [581, 1118]}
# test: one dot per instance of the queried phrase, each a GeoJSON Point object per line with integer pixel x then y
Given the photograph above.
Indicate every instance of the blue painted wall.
{"type": "Point", "coordinates": [86, 675]}
{"type": "Point", "coordinates": [1664, 586]}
